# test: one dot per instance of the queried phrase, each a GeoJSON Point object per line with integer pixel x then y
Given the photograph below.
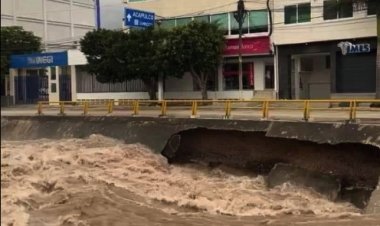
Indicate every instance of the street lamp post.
{"type": "Point", "coordinates": [240, 15]}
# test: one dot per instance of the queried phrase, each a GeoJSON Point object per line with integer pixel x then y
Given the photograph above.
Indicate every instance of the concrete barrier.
{"type": "Point", "coordinates": [374, 203]}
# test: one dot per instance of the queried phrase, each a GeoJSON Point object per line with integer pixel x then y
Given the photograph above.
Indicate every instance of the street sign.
{"type": "Point", "coordinates": [138, 18]}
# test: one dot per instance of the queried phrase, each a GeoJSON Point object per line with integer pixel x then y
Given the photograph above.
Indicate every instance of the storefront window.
{"type": "Point", "coordinates": [202, 19]}
{"type": "Point", "coordinates": [183, 21]}
{"type": "Point", "coordinates": [269, 76]}
{"type": "Point", "coordinates": [168, 24]}
{"type": "Point", "coordinates": [221, 20]}
{"type": "Point", "coordinates": [258, 21]}
{"type": "Point", "coordinates": [231, 76]}
{"type": "Point", "coordinates": [235, 25]}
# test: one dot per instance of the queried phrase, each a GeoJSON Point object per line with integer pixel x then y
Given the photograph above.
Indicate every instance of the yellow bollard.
{"type": "Point", "coordinates": [110, 107]}
{"type": "Point", "coordinates": [61, 108]}
{"type": "Point", "coordinates": [194, 109]}
{"type": "Point", "coordinates": [85, 108]}
{"type": "Point", "coordinates": [39, 108]}
{"type": "Point", "coordinates": [265, 110]}
{"type": "Point", "coordinates": [163, 108]}
{"type": "Point", "coordinates": [136, 107]}
{"type": "Point", "coordinates": [227, 108]}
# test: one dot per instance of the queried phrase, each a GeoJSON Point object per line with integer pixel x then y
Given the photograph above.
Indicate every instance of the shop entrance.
{"type": "Point", "coordinates": [311, 76]}
{"type": "Point", "coordinates": [31, 86]}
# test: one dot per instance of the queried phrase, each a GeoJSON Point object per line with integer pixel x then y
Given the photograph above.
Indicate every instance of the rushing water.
{"type": "Point", "coordinates": [102, 181]}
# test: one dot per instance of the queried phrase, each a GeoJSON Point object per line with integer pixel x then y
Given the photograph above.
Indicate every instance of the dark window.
{"type": "Point", "coordinates": [371, 10]}
{"type": "Point", "coordinates": [53, 88]}
{"type": "Point", "coordinates": [304, 13]}
{"type": "Point", "coordinates": [290, 14]}
{"type": "Point", "coordinates": [328, 61]}
{"type": "Point", "coordinates": [330, 9]}
{"type": "Point", "coordinates": [334, 9]}
{"type": "Point", "coordinates": [297, 13]}
{"type": "Point", "coordinates": [345, 8]}
{"type": "Point", "coordinates": [258, 21]}
{"type": "Point", "coordinates": [53, 74]}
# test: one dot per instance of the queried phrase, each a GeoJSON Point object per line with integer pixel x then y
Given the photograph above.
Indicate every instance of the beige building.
{"type": "Point", "coordinates": [325, 48]}
{"type": "Point", "coordinates": [258, 64]}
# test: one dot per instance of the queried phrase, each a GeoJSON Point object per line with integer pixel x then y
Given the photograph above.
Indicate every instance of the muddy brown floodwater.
{"type": "Point", "coordinates": [102, 181]}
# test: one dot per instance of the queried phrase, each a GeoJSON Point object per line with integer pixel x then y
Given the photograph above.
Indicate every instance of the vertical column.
{"type": "Point", "coordinates": [53, 73]}
{"type": "Point", "coordinates": [276, 80]}
{"type": "Point", "coordinates": [259, 73]}
{"type": "Point", "coordinates": [220, 77]}
{"type": "Point", "coordinates": [73, 83]}
{"type": "Point", "coordinates": [12, 90]}
{"type": "Point", "coordinates": [297, 78]}
{"type": "Point", "coordinates": [160, 88]}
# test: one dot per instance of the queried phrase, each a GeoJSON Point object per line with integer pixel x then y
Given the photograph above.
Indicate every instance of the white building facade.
{"type": "Point", "coordinates": [51, 75]}
{"type": "Point", "coordinates": [325, 48]}
{"type": "Point", "coordinates": [60, 23]}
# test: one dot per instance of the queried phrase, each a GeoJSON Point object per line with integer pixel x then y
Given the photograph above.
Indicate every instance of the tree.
{"type": "Point", "coordinates": [148, 59]}
{"type": "Point", "coordinates": [115, 56]}
{"type": "Point", "coordinates": [15, 40]}
{"type": "Point", "coordinates": [196, 48]}
{"type": "Point", "coordinates": [102, 49]}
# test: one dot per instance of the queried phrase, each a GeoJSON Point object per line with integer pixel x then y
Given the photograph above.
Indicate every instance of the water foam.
{"type": "Point", "coordinates": [44, 173]}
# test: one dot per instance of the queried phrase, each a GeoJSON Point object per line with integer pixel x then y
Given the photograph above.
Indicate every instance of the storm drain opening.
{"type": "Point", "coordinates": [341, 172]}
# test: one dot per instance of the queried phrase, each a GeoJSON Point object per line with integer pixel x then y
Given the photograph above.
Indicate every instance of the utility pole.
{"type": "Point", "coordinates": [240, 15]}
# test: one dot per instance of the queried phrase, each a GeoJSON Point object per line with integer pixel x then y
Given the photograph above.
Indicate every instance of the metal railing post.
{"type": "Point", "coordinates": [265, 110]}
{"type": "Point", "coordinates": [62, 108]}
{"type": "Point", "coordinates": [163, 108]}
{"type": "Point", "coordinates": [136, 107]}
{"type": "Point", "coordinates": [85, 108]}
{"type": "Point", "coordinates": [194, 109]}
{"type": "Point", "coordinates": [352, 110]}
{"type": "Point", "coordinates": [39, 108]}
{"type": "Point", "coordinates": [110, 106]}
{"type": "Point", "coordinates": [306, 110]}
{"type": "Point", "coordinates": [227, 107]}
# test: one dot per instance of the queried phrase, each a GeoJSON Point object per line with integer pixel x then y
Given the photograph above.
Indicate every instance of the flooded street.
{"type": "Point", "coordinates": [103, 181]}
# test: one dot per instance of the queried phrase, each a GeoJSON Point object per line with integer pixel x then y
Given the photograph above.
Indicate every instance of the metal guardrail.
{"type": "Point", "coordinates": [228, 106]}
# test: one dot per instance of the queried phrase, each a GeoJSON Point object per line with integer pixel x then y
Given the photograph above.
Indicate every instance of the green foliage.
{"type": "Point", "coordinates": [103, 49]}
{"type": "Point", "coordinates": [15, 40]}
{"type": "Point", "coordinates": [115, 56]}
{"type": "Point", "coordinates": [197, 48]}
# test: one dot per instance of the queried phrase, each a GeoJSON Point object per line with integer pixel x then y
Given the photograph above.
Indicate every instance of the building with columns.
{"type": "Point", "coordinates": [60, 24]}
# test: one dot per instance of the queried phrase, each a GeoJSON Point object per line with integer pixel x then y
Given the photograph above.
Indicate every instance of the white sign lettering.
{"type": "Point", "coordinates": [40, 60]}
{"type": "Point", "coordinates": [348, 47]}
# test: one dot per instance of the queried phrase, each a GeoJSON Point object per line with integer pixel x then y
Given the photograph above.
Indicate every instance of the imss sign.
{"type": "Point", "coordinates": [138, 18]}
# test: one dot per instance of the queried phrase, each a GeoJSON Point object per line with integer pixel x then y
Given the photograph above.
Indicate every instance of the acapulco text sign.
{"type": "Point", "coordinates": [138, 18]}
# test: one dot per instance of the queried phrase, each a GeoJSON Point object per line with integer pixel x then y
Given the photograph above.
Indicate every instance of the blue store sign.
{"type": "Point", "coordinates": [39, 60]}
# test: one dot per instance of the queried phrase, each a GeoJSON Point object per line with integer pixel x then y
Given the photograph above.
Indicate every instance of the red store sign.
{"type": "Point", "coordinates": [250, 46]}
